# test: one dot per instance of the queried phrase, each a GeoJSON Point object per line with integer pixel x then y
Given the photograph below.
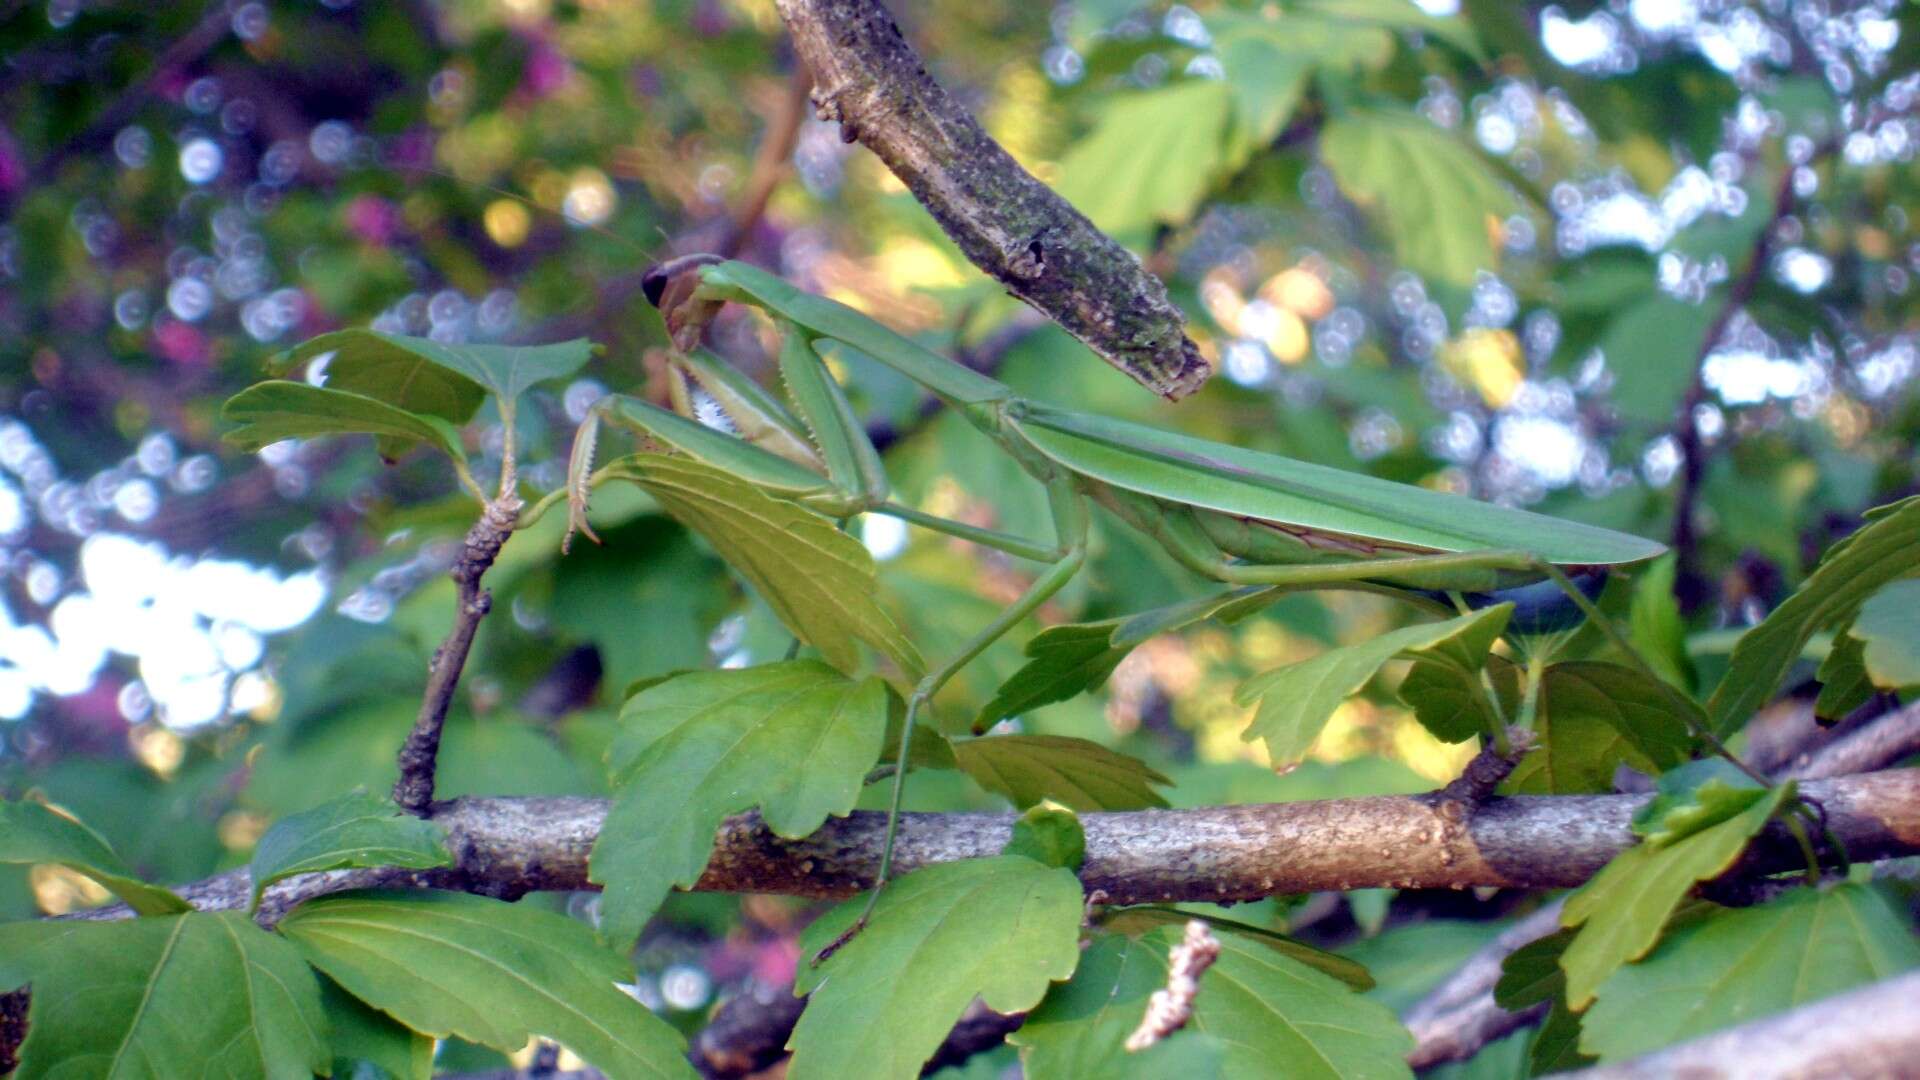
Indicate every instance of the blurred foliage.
{"type": "Point", "coordinates": [1481, 252]}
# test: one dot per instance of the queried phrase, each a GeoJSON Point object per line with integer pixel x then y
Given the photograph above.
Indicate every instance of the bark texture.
{"type": "Point", "coordinates": [1012, 226]}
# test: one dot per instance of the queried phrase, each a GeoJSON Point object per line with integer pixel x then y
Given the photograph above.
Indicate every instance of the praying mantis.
{"type": "Point", "coordinates": [1236, 516]}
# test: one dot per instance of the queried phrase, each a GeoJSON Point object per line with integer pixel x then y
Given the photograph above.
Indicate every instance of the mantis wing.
{"type": "Point", "coordinates": [1247, 483]}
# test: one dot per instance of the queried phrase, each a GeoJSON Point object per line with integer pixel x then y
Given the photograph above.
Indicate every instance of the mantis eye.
{"type": "Point", "coordinates": [655, 282]}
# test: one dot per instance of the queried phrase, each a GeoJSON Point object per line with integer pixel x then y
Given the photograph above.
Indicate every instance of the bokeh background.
{"type": "Point", "coordinates": [1648, 264]}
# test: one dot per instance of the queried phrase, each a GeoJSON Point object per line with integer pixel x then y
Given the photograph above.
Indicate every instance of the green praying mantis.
{"type": "Point", "coordinates": [1233, 515]}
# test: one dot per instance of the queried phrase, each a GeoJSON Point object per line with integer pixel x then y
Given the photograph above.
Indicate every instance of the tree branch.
{"type": "Point", "coordinates": [511, 846]}
{"type": "Point", "coordinates": [1009, 224]}
{"type": "Point", "coordinates": [419, 754]}
{"type": "Point", "coordinates": [1871, 1031]}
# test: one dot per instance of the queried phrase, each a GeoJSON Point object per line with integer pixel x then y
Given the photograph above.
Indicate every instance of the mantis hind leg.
{"type": "Point", "coordinates": [1070, 524]}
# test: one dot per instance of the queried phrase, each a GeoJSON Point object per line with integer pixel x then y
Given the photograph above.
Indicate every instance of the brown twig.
{"type": "Point", "coordinates": [511, 846]}
{"type": "Point", "coordinates": [770, 161]}
{"type": "Point", "coordinates": [419, 754]}
{"type": "Point", "coordinates": [1171, 1006]}
{"type": "Point", "coordinates": [1009, 224]}
{"type": "Point", "coordinates": [1690, 585]}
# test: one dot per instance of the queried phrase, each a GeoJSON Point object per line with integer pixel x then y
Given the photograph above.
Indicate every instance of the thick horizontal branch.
{"type": "Point", "coordinates": [510, 846]}
{"type": "Point", "coordinates": [1008, 223]}
{"type": "Point", "coordinates": [1872, 1031]}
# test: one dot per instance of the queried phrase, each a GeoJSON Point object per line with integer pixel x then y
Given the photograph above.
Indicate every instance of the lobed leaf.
{"type": "Point", "coordinates": [1591, 718]}
{"type": "Point", "coordinates": [1150, 158]}
{"type": "Point", "coordinates": [1297, 700]}
{"type": "Point", "coordinates": [1621, 911]}
{"type": "Point", "coordinates": [1000, 929]}
{"type": "Point", "coordinates": [1444, 685]}
{"type": "Point", "coordinates": [1888, 629]}
{"type": "Point", "coordinates": [1695, 796]}
{"type": "Point", "coordinates": [353, 830]}
{"type": "Point", "coordinates": [276, 409]}
{"type": "Point", "coordinates": [795, 739]}
{"type": "Point", "coordinates": [145, 997]}
{"type": "Point", "coordinates": [817, 579]}
{"type": "Point", "coordinates": [451, 964]}
{"type": "Point", "coordinates": [1078, 772]}
{"type": "Point", "coordinates": [33, 833]}
{"type": "Point", "coordinates": [1883, 550]}
{"type": "Point", "coordinates": [436, 378]}
{"type": "Point", "coordinates": [1739, 964]}
{"type": "Point", "coordinates": [1438, 196]}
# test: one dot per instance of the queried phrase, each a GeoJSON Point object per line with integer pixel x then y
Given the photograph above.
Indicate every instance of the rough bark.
{"type": "Point", "coordinates": [510, 846]}
{"type": "Point", "coordinates": [1012, 226]}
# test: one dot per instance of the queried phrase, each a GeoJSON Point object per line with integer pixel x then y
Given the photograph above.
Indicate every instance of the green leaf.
{"type": "Point", "coordinates": [1593, 717]}
{"type": "Point", "coordinates": [1888, 627]}
{"type": "Point", "coordinates": [450, 964]}
{"type": "Point", "coordinates": [795, 739]}
{"type": "Point", "coordinates": [387, 367]}
{"type": "Point", "coordinates": [1531, 973]}
{"type": "Point", "coordinates": [1436, 193]}
{"type": "Point", "coordinates": [361, 1032]}
{"type": "Point", "coordinates": [33, 833]}
{"type": "Point", "coordinates": [1049, 834]}
{"type": "Point", "coordinates": [1654, 624]}
{"type": "Point", "coordinates": [1736, 965]}
{"type": "Point", "coordinates": [1000, 929]}
{"type": "Point", "coordinates": [1400, 15]}
{"type": "Point", "coordinates": [1695, 796]}
{"type": "Point", "coordinates": [1652, 349]}
{"type": "Point", "coordinates": [1078, 772]}
{"type": "Point", "coordinates": [1140, 919]}
{"type": "Point", "coordinates": [1556, 1046]}
{"type": "Point", "coordinates": [1623, 908]}
{"type": "Point", "coordinates": [650, 565]}
{"type": "Point", "coordinates": [1150, 158]}
{"type": "Point", "coordinates": [1844, 682]}
{"type": "Point", "coordinates": [1078, 1031]}
{"type": "Point", "coordinates": [1070, 659]}
{"type": "Point", "coordinates": [1274, 1015]}
{"type": "Point", "coordinates": [146, 997]}
{"type": "Point", "coordinates": [1886, 548]}
{"type": "Point", "coordinates": [402, 370]}
{"type": "Point", "coordinates": [276, 409]}
{"type": "Point", "coordinates": [1296, 701]}
{"type": "Point", "coordinates": [353, 830]}
{"type": "Point", "coordinates": [817, 579]}
{"type": "Point", "coordinates": [1444, 686]}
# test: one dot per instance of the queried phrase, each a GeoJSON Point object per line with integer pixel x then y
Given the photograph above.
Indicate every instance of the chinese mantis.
{"type": "Point", "coordinates": [1236, 516]}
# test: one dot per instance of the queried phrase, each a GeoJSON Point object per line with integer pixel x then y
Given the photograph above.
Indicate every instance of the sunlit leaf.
{"type": "Point", "coordinates": [354, 830]}
{"type": "Point", "coordinates": [452, 964]}
{"type": "Point", "coordinates": [1000, 929]}
{"type": "Point", "coordinates": [1621, 911]}
{"type": "Point", "coordinates": [393, 367]}
{"type": "Point", "coordinates": [1150, 157]}
{"type": "Point", "coordinates": [817, 579]}
{"type": "Point", "coordinates": [1401, 16]}
{"type": "Point", "coordinates": [276, 410]}
{"type": "Point", "coordinates": [1078, 772]}
{"type": "Point", "coordinates": [32, 833]}
{"type": "Point", "coordinates": [1736, 965]}
{"type": "Point", "coordinates": [1886, 548]}
{"type": "Point", "coordinates": [795, 739]}
{"type": "Point", "coordinates": [144, 997]}
{"type": "Point", "coordinates": [1297, 700]}
{"type": "Point", "coordinates": [389, 367]}
{"type": "Point", "coordinates": [1593, 717]}
{"type": "Point", "coordinates": [1435, 193]}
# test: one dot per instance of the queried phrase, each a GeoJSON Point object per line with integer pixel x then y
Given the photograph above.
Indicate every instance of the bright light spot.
{"type": "Point", "coordinates": [200, 160]}
{"type": "Point", "coordinates": [1661, 18]}
{"type": "Point", "coordinates": [1803, 271]}
{"type": "Point", "coordinates": [685, 987]}
{"type": "Point", "coordinates": [1439, 9]}
{"type": "Point", "coordinates": [884, 536]}
{"type": "Point", "coordinates": [507, 222]}
{"type": "Point", "coordinates": [1747, 377]}
{"type": "Point", "coordinates": [1246, 363]}
{"type": "Point", "coordinates": [1551, 450]}
{"type": "Point", "coordinates": [189, 299]}
{"type": "Point", "coordinates": [1577, 43]}
{"type": "Point", "coordinates": [590, 198]}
